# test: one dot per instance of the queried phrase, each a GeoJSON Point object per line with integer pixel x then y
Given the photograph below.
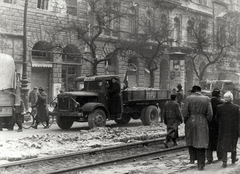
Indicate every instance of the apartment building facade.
{"type": "Point", "coordinates": [50, 68]}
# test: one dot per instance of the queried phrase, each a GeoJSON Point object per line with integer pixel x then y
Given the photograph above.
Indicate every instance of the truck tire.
{"type": "Point", "coordinates": [143, 111]}
{"type": "Point", "coordinates": [97, 118]}
{"type": "Point", "coordinates": [64, 122]}
{"type": "Point", "coordinates": [151, 115]}
{"type": "Point", "coordinates": [125, 119]}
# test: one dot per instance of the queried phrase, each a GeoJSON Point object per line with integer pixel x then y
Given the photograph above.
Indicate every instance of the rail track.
{"type": "Point", "coordinates": [84, 160]}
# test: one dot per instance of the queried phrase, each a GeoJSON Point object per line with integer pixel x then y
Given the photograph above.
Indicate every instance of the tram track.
{"type": "Point", "coordinates": [78, 161]}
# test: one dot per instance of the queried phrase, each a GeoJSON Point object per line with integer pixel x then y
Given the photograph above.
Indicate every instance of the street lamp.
{"type": "Point", "coordinates": [24, 81]}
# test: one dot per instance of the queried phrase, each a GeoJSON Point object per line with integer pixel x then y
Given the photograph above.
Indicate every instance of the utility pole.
{"type": "Point", "coordinates": [24, 81]}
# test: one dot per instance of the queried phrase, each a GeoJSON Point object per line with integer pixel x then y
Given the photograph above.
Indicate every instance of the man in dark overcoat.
{"type": "Point", "coordinates": [213, 126]}
{"type": "Point", "coordinates": [228, 119]}
{"type": "Point", "coordinates": [172, 118]}
{"type": "Point", "coordinates": [197, 113]}
{"type": "Point", "coordinates": [115, 100]}
{"type": "Point", "coordinates": [42, 110]}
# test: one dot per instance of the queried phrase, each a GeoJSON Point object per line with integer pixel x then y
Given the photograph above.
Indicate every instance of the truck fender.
{"type": "Point", "coordinates": [89, 107]}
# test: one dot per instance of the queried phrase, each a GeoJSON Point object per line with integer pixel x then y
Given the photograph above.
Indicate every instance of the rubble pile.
{"type": "Point", "coordinates": [53, 144]}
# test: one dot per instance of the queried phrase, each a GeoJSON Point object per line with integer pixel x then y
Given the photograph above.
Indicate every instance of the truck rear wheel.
{"type": "Point", "coordinates": [143, 111]}
{"type": "Point", "coordinates": [64, 122]}
{"type": "Point", "coordinates": [125, 119]}
{"type": "Point", "coordinates": [97, 118]}
{"type": "Point", "coordinates": [151, 115]}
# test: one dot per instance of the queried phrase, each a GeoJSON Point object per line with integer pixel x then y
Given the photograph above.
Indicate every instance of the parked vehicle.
{"type": "Point", "coordinates": [90, 103]}
{"type": "Point", "coordinates": [9, 91]}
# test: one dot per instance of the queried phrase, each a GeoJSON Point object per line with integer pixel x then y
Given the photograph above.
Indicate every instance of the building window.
{"type": "Point", "coordinates": [190, 31]}
{"type": "Point", "coordinates": [222, 36]}
{"type": "Point", "coordinates": [132, 18]}
{"type": "Point", "coordinates": [69, 73]}
{"type": "Point", "coordinates": [43, 4]}
{"type": "Point", "coordinates": [72, 7]}
{"type": "Point", "coordinates": [177, 30]}
{"type": "Point", "coordinates": [10, 1]}
{"type": "Point", "coordinates": [202, 31]}
{"type": "Point", "coordinates": [112, 19]}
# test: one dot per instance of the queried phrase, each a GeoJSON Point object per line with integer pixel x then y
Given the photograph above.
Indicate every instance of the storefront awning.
{"type": "Point", "coordinates": [42, 64]}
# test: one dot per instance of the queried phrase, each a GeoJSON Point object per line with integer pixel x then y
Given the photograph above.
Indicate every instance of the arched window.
{"type": "Point", "coordinates": [190, 31]}
{"type": "Point", "coordinates": [177, 30]}
{"type": "Point", "coordinates": [132, 18]}
{"type": "Point", "coordinates": [71, 54]}
{"type": "Point", "coordinates": [202, 31]}
{"type": "Point", "coordinates": [222, 36]}
{"type": "Point", "coordinates": [41, 51]}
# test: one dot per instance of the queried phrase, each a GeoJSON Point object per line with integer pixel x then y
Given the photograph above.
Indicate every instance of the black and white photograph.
{"type": "Point", "coordinates": [119, 86]}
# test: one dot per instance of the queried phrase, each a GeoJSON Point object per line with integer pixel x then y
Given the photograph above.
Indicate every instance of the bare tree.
{"type": "Point", "coordinates": [211, 47]}
{"type": "Point", "coordinates": [102, 16]}
{"type": "Point", "coordinates": [154, 35]}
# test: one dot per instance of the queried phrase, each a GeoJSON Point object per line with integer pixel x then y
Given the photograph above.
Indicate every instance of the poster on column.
{"type": "Point", "coordinates": [177, 71]}
{"type": "Point", "coordinates": [56, 89]}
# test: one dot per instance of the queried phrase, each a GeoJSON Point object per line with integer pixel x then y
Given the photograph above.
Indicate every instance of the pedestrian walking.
{"type": "Point", "coordinates": [213, 127]}
{"type": "Point", "coordinates": [180, 95]}
{"type": "Point", "coordinates": [33, 96]}
{"type": "Point", "coordinates": [197, 113]}
{"type": "Point", "coordinates": [114, 100]}
{"type": "Point", "coordinates": [172, 118]}
{"type": "Point", "coordinates": [228, 118]}
{"type": "Point", "coordinates": [42, 111]}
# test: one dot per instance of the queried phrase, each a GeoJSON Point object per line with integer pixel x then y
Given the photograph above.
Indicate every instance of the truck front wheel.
{"type": "Point", "coordinates": [64, 122]}
{"type": "Point", "coordinates": [125, 119]}
{"type": "Point", "coordinates": [151, 115]}
{"type": "Point", "coordinates": [97, 118]}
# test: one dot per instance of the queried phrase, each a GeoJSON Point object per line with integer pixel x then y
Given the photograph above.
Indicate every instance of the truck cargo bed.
{"type": "Point", "coordinates": [143, 95]}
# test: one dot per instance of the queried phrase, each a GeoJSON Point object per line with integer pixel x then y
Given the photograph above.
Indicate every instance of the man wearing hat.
{"type": "Point", "coordinates": [172, 117]}
{"type": "Point", "coordinates": [114, 101]}
{"type": "Point", "coordinates": [33, 96]}
{"type": "Point", "coordinates": [228, 118]}
{"type": "Point", "coordinates": [213, 126]}
{"type": "Point", "coordinates": [197, 112]}
{"type": "Point", "coordinates": [42, 111]}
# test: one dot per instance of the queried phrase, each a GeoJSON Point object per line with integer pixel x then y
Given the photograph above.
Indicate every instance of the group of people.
{"type": "Point", "coordinates": [210, 125]}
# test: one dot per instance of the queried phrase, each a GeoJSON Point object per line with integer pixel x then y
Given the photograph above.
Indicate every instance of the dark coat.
{"type": "Point", "coordinates": [172, 118]}
{"type": "Point", "coordinates": [42, 110]}
{"type": "Point", "coordinates": [213, 125]}
{"type": "Point", "coordinates": [197, 113]}
{"type": "Point", "coordinates": [114, 98]}
{"type": "Point", "coordinates": [228, 119]}
{"type": "Point", "coordinates": [180, 97]}
{"type": "Point", "coordinates": [32, 97]}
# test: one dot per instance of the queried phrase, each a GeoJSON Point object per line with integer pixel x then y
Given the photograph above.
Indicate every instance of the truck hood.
{"type": "Point", "coordinates": [79, 93]}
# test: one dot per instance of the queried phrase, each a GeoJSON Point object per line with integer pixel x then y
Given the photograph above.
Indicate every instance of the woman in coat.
{"type": "Point", "coordinates": [228, 119]}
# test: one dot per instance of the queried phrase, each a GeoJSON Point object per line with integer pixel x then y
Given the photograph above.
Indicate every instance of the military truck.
{"type": "Point", "coordinates": [90, 103]}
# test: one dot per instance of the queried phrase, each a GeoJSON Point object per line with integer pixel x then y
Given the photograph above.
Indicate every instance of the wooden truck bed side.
{"type": "Point", "coordinates": [145, 95]}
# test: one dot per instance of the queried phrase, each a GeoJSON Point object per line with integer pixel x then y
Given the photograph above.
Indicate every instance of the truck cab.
{"type": "Point", "coordinates": [88, 103]}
